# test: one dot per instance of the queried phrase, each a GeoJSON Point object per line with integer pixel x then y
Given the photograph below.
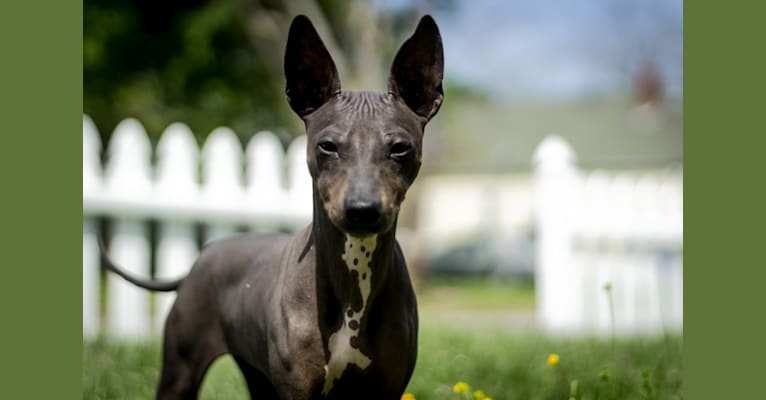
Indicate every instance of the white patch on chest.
{"type": "Point", "coordinates": [358, 257]}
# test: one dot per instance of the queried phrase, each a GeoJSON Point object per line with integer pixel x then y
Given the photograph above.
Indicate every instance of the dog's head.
{"type": "Point", "coordinates": [364, 148]}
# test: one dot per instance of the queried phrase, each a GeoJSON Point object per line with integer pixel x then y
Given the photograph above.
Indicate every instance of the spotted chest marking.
{"type": "Point", "coordinates": [358, 257]}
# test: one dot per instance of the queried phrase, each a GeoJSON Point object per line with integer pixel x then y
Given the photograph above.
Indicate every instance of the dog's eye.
{"type": "Point", "coordinates": [327, 148]}
{"type": "Point", "coordinates": [400, 150]}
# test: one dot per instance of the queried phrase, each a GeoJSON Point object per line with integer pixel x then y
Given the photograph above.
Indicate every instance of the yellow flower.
{"type": "Point", "coordinates": [553, 359]}
{"type": "Point", "coordinates": [460, 387]}
{"type": "Point", "coordinates": [487, 398]}
{"type": "Point", "coordinates": [479, 395]}
{"type": "Point", "coordinates": [408, 396]}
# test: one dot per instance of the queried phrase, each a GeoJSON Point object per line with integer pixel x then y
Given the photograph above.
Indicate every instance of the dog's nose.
{"type": "Point", "coordinates": [363, 213]}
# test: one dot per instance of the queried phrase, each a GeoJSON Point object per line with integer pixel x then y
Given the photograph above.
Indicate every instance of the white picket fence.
{"type": "Point", "coordinates": [598, 228]}
{"type": "Point", "coordinates": [261, 188]}
{"type": "Point", "coordinates": [592, 227]}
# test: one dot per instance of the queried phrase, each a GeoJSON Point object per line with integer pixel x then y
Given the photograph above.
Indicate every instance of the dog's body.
{"type": "Point", "coordinates": [329, 312]}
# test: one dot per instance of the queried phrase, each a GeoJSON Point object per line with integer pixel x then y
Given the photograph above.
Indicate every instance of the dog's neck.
{"type": "Point", "coordinates": [350, 274]}
{"type": "Point", "coordinates": [350, 271]}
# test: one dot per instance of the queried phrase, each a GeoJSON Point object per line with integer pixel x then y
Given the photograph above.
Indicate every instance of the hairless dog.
{"type": "Point", "coordinates": [328, 312]}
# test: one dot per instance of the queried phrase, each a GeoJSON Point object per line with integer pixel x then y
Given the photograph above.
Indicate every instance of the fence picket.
{"type": "Point", "coordinates": [91, 156]}
{"type": "Point", "coordinates": [299, 179]}
{"type": "Point", "coordinates": [128, 174]}
{"type": "Point", "coordinates": [222, 172]}
{"type": "Point", "coordinates": [177, 160]}
{"type": "Point", "coordinates": [606, 312]}
{"type": "Point", "coordinates": [265, 166]}
{"type": "Point", "coordinates": [91, 182]}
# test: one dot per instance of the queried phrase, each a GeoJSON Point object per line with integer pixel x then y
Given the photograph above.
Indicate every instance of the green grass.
{"type": "Point", "coordinates": [472, 330]}
{"type": "Point", "coordinates": [502, 364]}
{"type": "Point", "coordinates": [475, 293]}
{"type": "Point", "coordinates": [512, 366]}
{"type": "Point", "coordinates": [113, 370]}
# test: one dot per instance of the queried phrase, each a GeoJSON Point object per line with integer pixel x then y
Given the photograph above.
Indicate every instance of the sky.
{"type": "Point", "coordinates": [560, 48]}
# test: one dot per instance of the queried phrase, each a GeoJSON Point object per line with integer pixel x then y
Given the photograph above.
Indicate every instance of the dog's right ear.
{"type": "Point", "coordinates": [418, 68]}
{"type": "Point", "coordinates": [311, 76]}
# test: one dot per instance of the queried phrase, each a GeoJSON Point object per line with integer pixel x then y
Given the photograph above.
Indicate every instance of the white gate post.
{"type": "Point", "coordinates": [128, 177]}
{"type": "Point", "coordinates": [91, 183]}
{"type": "Point", "coordinates": [177, 160]}
{"type": "Point", "coordinates": [558, 280]}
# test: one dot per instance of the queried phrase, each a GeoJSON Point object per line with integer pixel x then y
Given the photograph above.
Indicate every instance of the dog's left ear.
{"type": "Point", "coordinates": [310, 72]}
{"type": "Point", "coordinates": [418, 69]}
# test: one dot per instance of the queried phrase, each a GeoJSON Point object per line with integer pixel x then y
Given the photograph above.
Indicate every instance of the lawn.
{"type": "Point", "coordinates": [515, 366]}
{"type": "Point", "coordinates": [468, 334]}
{"type": "Point", "coordinates": [504, 366]}
{"type": "Point", "coordinates": [448, 293]}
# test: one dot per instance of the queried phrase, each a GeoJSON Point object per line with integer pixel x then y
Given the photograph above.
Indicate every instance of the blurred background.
{"type": "Point", "coordinates": [550, 198]}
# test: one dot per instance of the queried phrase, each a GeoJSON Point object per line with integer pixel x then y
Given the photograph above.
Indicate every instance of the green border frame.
{"type": "Point", "coordinates": [723, 209]}
{"type": "Point", "coordinates": [724, 94]}
{"type": "Point", "coordinates": [41, 113]}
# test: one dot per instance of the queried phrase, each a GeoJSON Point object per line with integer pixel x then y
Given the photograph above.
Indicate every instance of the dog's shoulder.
{"type": "Point", "coordinates": [242, 249]}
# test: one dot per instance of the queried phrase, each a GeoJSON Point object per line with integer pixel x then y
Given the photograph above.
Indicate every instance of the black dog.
{"type": "Point", "coordinates": [329, 312]}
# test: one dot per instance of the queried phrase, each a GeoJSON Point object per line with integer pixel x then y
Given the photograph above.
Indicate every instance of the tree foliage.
{"type": "Point", "coordinates": [209, 63]}
{"type": "Point", "coordinates": [189, 61]}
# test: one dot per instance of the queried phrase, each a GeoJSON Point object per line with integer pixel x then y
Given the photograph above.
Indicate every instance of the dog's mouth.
{"type": "Point", "coordinates": [363, 222]}
{"type": "Point", "coordinates": [363, 230]}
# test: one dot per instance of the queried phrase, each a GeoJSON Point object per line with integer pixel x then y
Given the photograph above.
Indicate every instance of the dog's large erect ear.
{"type": "Point", "coordinates": [418, 68]}
{"type": "Point", "coordinates": [311, 76]}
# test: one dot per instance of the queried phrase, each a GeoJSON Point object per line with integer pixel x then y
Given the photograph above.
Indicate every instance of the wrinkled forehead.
{"type": "Point", "coordinates": [352, 112]}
